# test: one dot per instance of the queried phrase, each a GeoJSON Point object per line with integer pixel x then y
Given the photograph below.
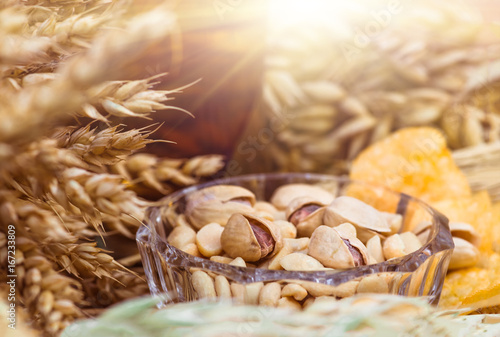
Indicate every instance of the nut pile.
{"type": "Point", "coordinates": [302, 228]}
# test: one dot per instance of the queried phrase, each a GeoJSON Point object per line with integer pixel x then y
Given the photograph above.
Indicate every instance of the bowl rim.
{"type": "Point", "coordinates": [440, 238]}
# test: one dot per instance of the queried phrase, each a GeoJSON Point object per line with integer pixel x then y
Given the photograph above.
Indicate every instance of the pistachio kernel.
{"type": "Point", "coordinates": [302, 213]}
{"type": "Point", "coordinates": [264, 238]}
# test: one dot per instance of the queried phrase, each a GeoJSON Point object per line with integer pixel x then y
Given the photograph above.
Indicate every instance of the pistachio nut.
{"type": "Point", "coordinates": [306, 213]}
{"type": "Point", "coordinates": [365, 218]}
{"type": "Point", "coordinates": [465, 254]}
{"type": "Point", "coordinates": [284, 195]}
{"type": "Point", "coordinates": [217, 204]}
{"type": "Point", "coordinates": [223, 193]}
{"type": "Point", "coordinates": [346, 230]}
{"type": "Point", "coordinates": [466, 232]}
{"type": "Point", "coordinates": [181, 220]}
{"type": "Point", "coordinates": [332, 250]}
{"type": "Point", "coordinates": [250, 237]}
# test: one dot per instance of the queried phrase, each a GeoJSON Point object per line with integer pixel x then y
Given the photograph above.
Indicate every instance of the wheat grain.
{"type": "Point", "coordinates": [148, 173]}
{"type": "Point", "coordinates": [56, 186]}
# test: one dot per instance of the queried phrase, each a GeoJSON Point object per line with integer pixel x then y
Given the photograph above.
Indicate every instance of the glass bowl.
{"type": "Point", "coordinates": [421, 273]}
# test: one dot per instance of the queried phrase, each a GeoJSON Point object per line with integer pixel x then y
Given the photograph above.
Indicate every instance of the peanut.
{"type": "Point", "coordinates": [373, 284]}
{"type": "Point", "coordinates": [287, 229]}
{"type": "Point", "coordinates": [181, 236]}
{"type": "Point", "coordinates": [208, 239]}
{"type": "Point", "coordinates": [289, 302]}
{"type": "Point", "coordinates": [222, 287]}
{"type": "Point", "coordinates": [203, 284]}
{"type": "Point", "coordinates": [299, 261]}
{"type": "Point", "coordinates": [270, 294]}
{"type": "Point", "coordinates": [294, 290]}
{"type": "Point", "coordinates": [252, 291]}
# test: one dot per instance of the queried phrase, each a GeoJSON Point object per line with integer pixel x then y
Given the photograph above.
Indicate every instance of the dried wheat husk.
{"type": "Point", "coordinates": [103, 292]}
{"type": "Point", "coordinates": [111, 52]}
{"type": "Point", "coordinates": [46, 294]}
{"type": "Point", "coordinates": [66, 62]}
{"type": "Point", "coordinates": [21, 318]}
{"type": "Point", "coordinates": [47, 254]}
{"type": "Point", "coordinates": [150, 176]}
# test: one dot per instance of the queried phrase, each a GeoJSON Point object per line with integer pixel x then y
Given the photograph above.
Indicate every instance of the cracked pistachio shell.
{"type": "Point", "coordinates": [301, 202]}
{"type": "Point", "coordinates": [217, 203]}
{"type": "Point", "coordinates": [394, 220]}
{"type": "Point", "coordinates": [364, 217]}
{"type": "Point", "coordinates": [464, 254]}
{"type": "Point", "coordinates": [466, 232]}
{"type": "Point", "coordinates": [346, 230]}
{"type": "Point", "coordinates": [284, 195]}
{"type": "Point", "coordinates": [306, 213]}
{"type": "Point", "coordinates": [239, 237]}
{"type": "Point", "coordinates": [348, 233]}
{"type": "Point", "coordinates": [306, 227]}
{"type": "Point", "coordinates": [374, 248]}
{"type": "Point", "coordinates": [328, 247]}
{"type": "Point", "coordinates": [223, 193]}
{"type": "Point", "coordinates": [214, 210]}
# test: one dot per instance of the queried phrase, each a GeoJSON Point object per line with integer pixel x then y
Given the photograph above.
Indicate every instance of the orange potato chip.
{"type": "Point", "coordinates": [417, 162]}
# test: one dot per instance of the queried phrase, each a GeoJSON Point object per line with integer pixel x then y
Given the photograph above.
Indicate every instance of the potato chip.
{"type": "Point", "coordinates": [417, 162]}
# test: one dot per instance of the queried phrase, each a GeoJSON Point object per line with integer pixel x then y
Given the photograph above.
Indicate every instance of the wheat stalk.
{"type": "Point", "coordinates": [110, 53]}
{"type": "Point", "coordinates": [22, 326]}
{"type": "Point", "coordinates": [150, 175]}
{"type": "Point", "coordinates": [60, 62]}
